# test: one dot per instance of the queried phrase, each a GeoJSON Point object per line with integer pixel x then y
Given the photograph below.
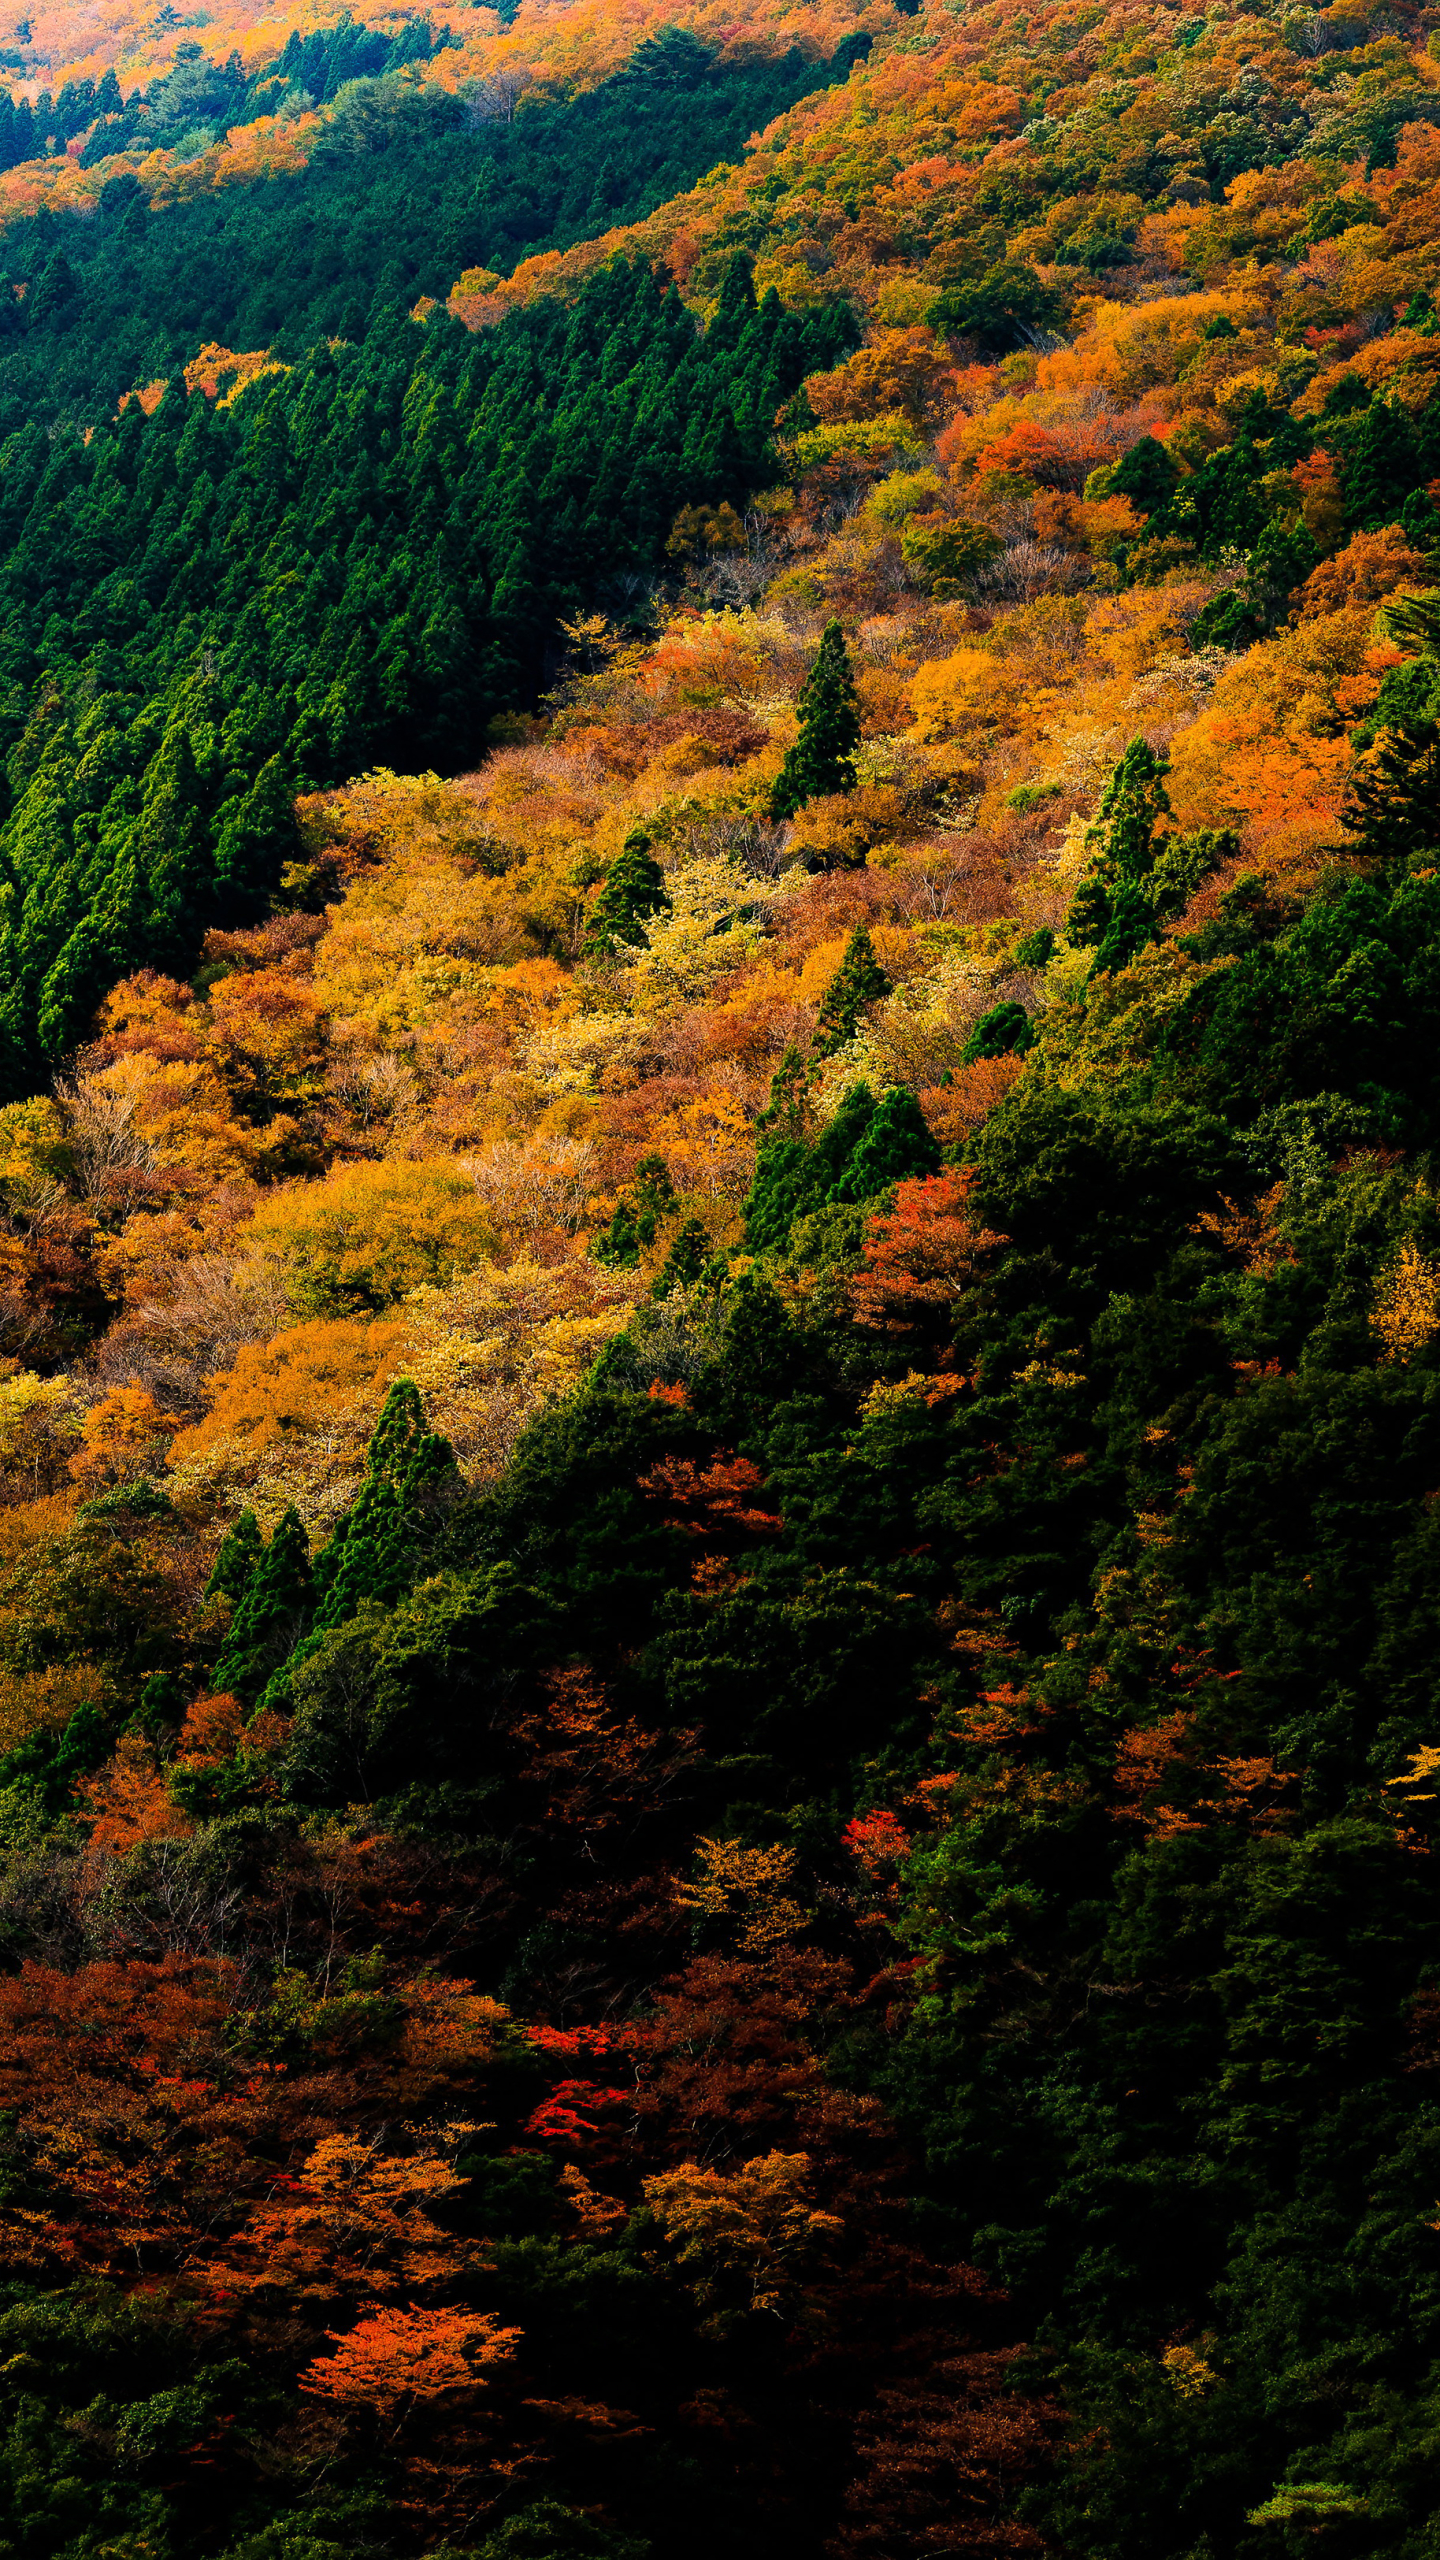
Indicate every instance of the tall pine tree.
{"type": "Point", "coordinates": [633, 890]}
{"type": "Point", "coordinates": [823, 756]}
{"type": "Point", "coordinates": [858, 983]}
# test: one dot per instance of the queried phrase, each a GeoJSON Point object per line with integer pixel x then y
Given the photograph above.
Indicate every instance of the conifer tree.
{"type": "Point", "coordinates": [1004, 1028]}
{"type": "Point", "coordinates": [685, 1262]}
{"type": "Point", "coordinates": [858, 983]}
{"type": "Point", "coordinates": [896, 1146]}
{"type": "Point", "coordinates": [823, 756]}
{"type": "Point", "coordinates": [240, 1551]}
{"type": "Point", "coordinates": [633, 889]}
{"type": "Point", "coordinates": [256, 838]}
{"type": "Point", "coordinates": [1394, 801]}
{"type": "Point", "coordinates": [271, 1614]}
{"type": "Point", "coordinates": [786, 1114]}
{"type": "Point", "coordinates": [371, 1556]}
{"type": "Point", "coordinates": [638, 1212]}
{"type": "Point", "coordinates": [1111, 907]}
{"type": "Point", "coordinates": [1381, 467]}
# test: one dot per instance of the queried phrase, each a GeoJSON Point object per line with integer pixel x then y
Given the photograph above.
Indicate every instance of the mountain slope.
{"type": "Point", "coordinates": [717, 1619]}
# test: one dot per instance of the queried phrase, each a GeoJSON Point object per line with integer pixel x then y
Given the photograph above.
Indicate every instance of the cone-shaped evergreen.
{"type": "Point", "coordinates": [634, 888]}
{"type": "Point", "coordinates": [787, 1113]}
{"type": "Point", "coordinates": [1394, 802]}
{"type": "Point", "coordinates": [271, 1614]}
{"type": "Point", "coordinates": [793, 1177]}
{"type": "Point", "coordinates": [240, 1551]}
{"type": "Point", "coordinates": [638, 1212]}
{"type": "Point", "coordinates": [858, 983]}
{"type": "Point", "coordinates": [897, 1146]}
{"type": "Point", "coordinates": [1122, 842]}
{"type": "Point", "coordinates": [685, 1261]}
{"type": "Point", "coordinates": [823, 756]}
{"type": "Point", "coordinates": [372, 1554]}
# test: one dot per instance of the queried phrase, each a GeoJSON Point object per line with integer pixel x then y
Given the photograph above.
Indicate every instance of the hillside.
{"type": "Point", "coordinates": [720, 1270]}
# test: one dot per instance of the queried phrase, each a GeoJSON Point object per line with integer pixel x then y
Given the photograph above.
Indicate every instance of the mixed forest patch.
{"type": "Point", "coordinates": [720, 1294]}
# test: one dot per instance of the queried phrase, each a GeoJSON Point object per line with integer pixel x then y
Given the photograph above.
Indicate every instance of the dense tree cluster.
{"type": "Point", "coordinates": [404, 187]}
{"type": "Point", "coordinates": [363, 558]}
{"type": "Point", "coordinates": [718, 1697]}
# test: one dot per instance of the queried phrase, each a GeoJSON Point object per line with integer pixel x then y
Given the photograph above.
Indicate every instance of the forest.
{"type": "Point", "coordinates": [720, 1282]}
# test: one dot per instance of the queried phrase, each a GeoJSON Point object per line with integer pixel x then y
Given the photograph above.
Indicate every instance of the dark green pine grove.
{"type": "Point", "coordinates": [406, 189]}
{"type": "Point", "coordinates": [360, 561]}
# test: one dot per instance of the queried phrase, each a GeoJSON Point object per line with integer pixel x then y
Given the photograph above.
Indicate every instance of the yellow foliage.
{"type": "Point", "coordinates": [745, 2239]}
{"type": "Point", "coordinates": [35, 1152]}
{"type": "Point", "coordinates": [43, 1701]}
{"type": "Point", "coordinates": [1406, 1313]}
{"type": "Point", "coordinates": [709, 1146]}
{"type": "Point", "coordinates": [360, 1239]}
{"type": "Point", "coordinates": [1423, 1765]}
{"type": "Point", "coordinates": [1187, 2372]}
{"type": "Point", "coordinates": [40, 1422]}
{"type": "Point", "coordinates": [966, 689]}
{"type": "Point", "coordinates": [746, 1888]}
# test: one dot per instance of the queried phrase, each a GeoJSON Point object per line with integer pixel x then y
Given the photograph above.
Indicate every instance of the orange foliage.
{"type": "Point", "coordinates": [299, 1381]}
{"type": "Point", "coordinates": [125, 1434]}
{"type": "Point", "coordinates": [1371, 566]}
{"type": "Point", "coordinates": [394, 2357]}
{"type": "Point", "coordinates": [904, 369]}
{"type": "Point", "coordinates": [922, 1255]}
{"type": "Point", "coordinates": [129, 1802]}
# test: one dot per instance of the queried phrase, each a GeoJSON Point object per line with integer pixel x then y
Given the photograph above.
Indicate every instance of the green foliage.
{"type": "Point", "coordinates": [946, 552]}
{"type": "Point", "coordinates": [371, 1555]}
{"type": "Point", "coordinates": [1133, 885]}
{"type": "Point", "coordinates": [240, 1551]}
{"type": "Point", "coordinates": [823, 756]}
{"type": "Point", "coordinates": [271, 1613]}
{"type": "Point", "coordinates": [408, 188]}
{"type": "Point", "coordinates": [644, 1203]}
{"type": "Point", "coordinates": [858, 983]}
{"type": "Point", "coordinates": [1393, 796]}
{"type": "Point", "coordinates": [684, 1264]}
{"type": "Point", "coordinates": [632, 891]}
{"type": "Point", "coordinates": [358, 561]}
{"type": "Point", "coordinates": [1001, 308]}
{"type": "Point", "coordinates": [998, 1033]}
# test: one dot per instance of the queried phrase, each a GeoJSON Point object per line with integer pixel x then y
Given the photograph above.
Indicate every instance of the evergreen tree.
{"type": "Point", "coordinates": [823, 756]}
{"type": "Point", "coordinates": [795, 1175]}
{"type": "Point", "coordinates": [1381, 467]}
{"type": "Point", "coordinates": [1147, 475]}
{"type": "Point", "coordinates": [234, 1568]}
{"type": "Point", "coordinates": [685, 1262]}
{"type": "Point", "coordinates": [271, 1613]}
{"type": "Point", "coordinates": [896, 1146]}
{"type": "Point", "coordinates": [735, 309]}
{"type": "Point", "coordinates": [256, 840]}
{"type": "Point", "coordinates": [633, 889]}
{"type": "Point", "coordinates": [638, 1213]}
{"type": "Point", "coordinates": [1112, 906]}
{"type": "Point", "coordinates": [1394, 800]}
{"type": "Point", "coordinates": [55, 291]}
{"type": "Point", "coordinates": [787, 1113]}
{"type": "Point", "coordinates": [372, 1554]}
{"type": "Point", "coordinates": [1005, 1028]}
{"type": "Point", "coordinates": [858, 983]}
